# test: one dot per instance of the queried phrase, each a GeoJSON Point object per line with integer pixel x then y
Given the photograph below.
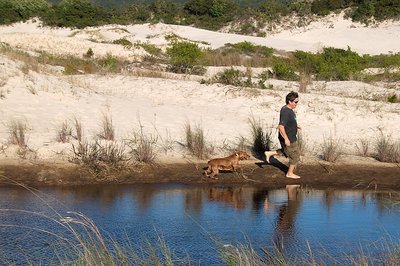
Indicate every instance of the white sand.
{"type": "Point", "coordinates": [44, 99]}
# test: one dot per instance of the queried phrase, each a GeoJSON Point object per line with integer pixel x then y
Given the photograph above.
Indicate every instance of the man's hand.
{"type": "Point", "coordinates": [287, 142]}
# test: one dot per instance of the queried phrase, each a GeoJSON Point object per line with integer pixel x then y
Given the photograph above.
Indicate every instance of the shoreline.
{"type": "Point", "coordinates": [349, 174]}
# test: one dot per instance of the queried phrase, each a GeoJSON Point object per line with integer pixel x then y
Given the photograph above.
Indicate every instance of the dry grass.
{"type": "Point", "coordinates": [196, 142]}
{"type": "Point", "coordinates": [107, 129]}
{"type": "Point", "coordinates": [387, 149]}
{"type": "Point", "coordinates": [261, 137]}
{"type": "Point", "coordinates": [303, 145]}
{"type": "Point", "coordinates": [363, 147]}
{"type": "Point", "coordinates": [17, 131]}
{"type": "Point", "coordinates": [98, 157]}
{"type": "Point", "coordinates": [78, 129]}
{"type": "Point", "coordinates": [331, 149]}
{"type": "Point", "coordinates": [64, 133]}
{"type": "Point", "coordinates": [143, 147]}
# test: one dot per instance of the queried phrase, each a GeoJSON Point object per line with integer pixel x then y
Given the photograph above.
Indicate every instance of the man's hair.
{"type": "Point", "coordinates": [291, 96]}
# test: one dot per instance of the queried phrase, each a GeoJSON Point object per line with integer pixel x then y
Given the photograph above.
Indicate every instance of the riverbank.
{"type": "Point", "coordinates": [353, 173]}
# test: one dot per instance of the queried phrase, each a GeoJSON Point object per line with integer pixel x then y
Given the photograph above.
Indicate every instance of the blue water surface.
{"type": "Point", "coordinates": [196, 221]}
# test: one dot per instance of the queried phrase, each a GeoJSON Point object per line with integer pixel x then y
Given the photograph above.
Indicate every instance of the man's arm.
{"type": "Point", "coordinates": [282, 131]}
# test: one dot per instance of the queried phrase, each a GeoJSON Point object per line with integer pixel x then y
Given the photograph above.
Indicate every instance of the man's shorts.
{"type": "Point", "coordinates": [292, 152]}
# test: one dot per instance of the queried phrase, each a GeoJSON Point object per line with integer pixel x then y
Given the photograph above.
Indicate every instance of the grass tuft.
{"type": "Point", "coordinates": [331, 149]}
{"type": "Point", "coordinates": [261, 137]}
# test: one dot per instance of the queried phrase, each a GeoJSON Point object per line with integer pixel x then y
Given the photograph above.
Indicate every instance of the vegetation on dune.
{"type": "Point", "coordinates": [209, 14]}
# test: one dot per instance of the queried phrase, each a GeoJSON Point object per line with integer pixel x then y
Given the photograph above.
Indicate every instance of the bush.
{"type": "Point", "coordinates": [392, 98]}
{"type": "Point", "coordinates": [250, 49]}
{"type": "Point", "coordinates": [16, 10]}
{"type": "Point", "coordinates": [109, 63]}
{"type": "Point", "coordinates": [331, 149]}
{"type": "Point", "coordinates": [261, 137]}
{"type": "Point", "coordinates": [284, 71]}
{"type": "Point", "coordinates": [212, 8]}
{"type": "Point", "coordinates": [99, 158]}
{"type": "Point", "coordinates": [183, 56]}
{"type": "Point", "coordinates": [387, 150]}
{"type": "Point", "coordinates": [124, 42]}
{"type": "Point", "coordinates": [230, 77]}
{"type": "Point", "coordinates": [195, 141]}
{"type": "Point", "coordinates": [17, 131]}
{"type": "Point", "coordinates": [339, 64]}
{"type": "Point", "coordinates": [143, 147]}
{"type": "Point", "coordinates": [76, 14]}
{"type": "Point", "coordinates": [331, 64]}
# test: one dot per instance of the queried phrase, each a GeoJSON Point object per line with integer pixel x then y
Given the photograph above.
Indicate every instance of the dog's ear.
{"type": "Point", "coordinates": [237, 154]}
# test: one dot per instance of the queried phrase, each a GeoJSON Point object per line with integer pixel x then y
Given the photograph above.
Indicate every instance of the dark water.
{"type": "Point", "coordinates": [191, 220]}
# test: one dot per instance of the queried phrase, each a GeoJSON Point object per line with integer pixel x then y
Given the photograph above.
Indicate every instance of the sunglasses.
{"type": "Point", "coordinates": [296, 102]}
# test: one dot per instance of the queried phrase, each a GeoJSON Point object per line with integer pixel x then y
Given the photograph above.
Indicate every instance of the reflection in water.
{"type": "Point", "coordinates": [286, 218]}
{"type": "Point", "coordinates": [285, 226]}
{"type": "Point", "coordinates": [193, 200]}
{"type": "Point", "coordinates": [232, 196]}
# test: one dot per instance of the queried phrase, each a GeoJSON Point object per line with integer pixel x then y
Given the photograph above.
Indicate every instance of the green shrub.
{"type": "Point", "coordinates": [392, 98]}
{"type": "Point", "coordinates": [284, 71]}
{"type": "Point", "coordinates": [76, 14]}
{"type": "Point", "coordinates": [183, 56]}
{"type": "Point", "coordinates": [124, 42]}
{"type": "Point", "coordinates": [89, 53]}
{"type": "Point", "coordinates": [109, 63]}
{"type": "Point", "coordinates": [249, 48]}
{"type": "Point", "coordinates": [164, 10]}
{"type": "Point", "coordinates": [16, 10]}
{"type": "Point", "coordinates": [152, 49]}
{"type": "Point", "coordinates": [331, 64]}
{"type": "Point", "coordinates": [339, 64]}
{"type": "Point", "coordinates": [230, 77]}
{"type": "Point", "coordinates": [212, 8]}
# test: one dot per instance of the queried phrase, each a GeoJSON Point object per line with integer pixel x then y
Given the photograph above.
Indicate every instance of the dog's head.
{"type": "Point", "coordinates": [243, 155]}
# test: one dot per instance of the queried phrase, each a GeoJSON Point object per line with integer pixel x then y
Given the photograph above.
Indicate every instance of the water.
{"type": "Point", "coordinates": [191, 220]}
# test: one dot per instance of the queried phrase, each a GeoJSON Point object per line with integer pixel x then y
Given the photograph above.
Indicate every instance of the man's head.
{"type": "Point", "coordinates": [292, 99]}
{"type": "Point", "coordinates": [291, 96]}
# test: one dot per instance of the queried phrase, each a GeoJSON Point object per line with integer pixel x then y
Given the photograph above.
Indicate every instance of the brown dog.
{"type": "Point", "coordinates": [227, 163]}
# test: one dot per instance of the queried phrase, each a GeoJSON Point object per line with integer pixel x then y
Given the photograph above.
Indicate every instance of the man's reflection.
{"type": "Point", "coordinates": [285, 226]}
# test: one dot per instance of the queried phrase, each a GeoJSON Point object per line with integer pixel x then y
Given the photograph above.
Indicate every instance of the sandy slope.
{"type": "Point", "coordinates": [44, 99]}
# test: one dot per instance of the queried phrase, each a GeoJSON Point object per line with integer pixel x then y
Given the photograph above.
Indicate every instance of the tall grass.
{"type": "Point", "coordinates": [387, 149]}
{"type": "Point", "coordinates": [78, 129]}
{"type": "Point", "coordinates": [331, 149]}
{"type": "Point", "coordinates": [143, 147]}
{"type": "Point", "coordinates": [64, 133]}
{"type": "Point", "coordinates": [99, 157]}
{"type": "Point", "coordinates": [195, 141]}
{"type": "Point", "coordinates": [17, 133]}
{"type": "Point", "coordinates": [261, 137]}
{"type": "Point", "coordinates": [107, 128]}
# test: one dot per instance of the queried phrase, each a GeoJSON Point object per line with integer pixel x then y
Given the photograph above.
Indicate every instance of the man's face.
{"type": "Point", "coordinates": [293, 104]}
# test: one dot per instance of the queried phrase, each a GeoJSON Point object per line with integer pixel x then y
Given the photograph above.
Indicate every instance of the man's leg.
{"type": "Point", "coordinates": [268, 155]}
{"type": "Point", "coordinates": [290, 173]}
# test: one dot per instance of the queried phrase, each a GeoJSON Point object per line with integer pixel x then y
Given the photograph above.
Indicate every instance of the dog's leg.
{"type": "Point", "coordinates": [214, 173]}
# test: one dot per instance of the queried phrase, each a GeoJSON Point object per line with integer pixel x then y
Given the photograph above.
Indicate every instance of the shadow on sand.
{"type": "Point", "coordinates": [275, 163]}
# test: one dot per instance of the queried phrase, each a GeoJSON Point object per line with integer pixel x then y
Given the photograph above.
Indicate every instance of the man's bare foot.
{"type": "Point", "coordinates": [268, 155]}
{"type": "Point", "coordinates": [292, 176]}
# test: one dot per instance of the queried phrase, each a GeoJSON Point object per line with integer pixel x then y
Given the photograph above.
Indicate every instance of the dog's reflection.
{"type": "Point", "coordinates": [232, 196]}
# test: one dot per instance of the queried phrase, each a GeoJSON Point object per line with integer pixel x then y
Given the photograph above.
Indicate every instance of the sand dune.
{"type": "Point", "coordinates": [348, 111]}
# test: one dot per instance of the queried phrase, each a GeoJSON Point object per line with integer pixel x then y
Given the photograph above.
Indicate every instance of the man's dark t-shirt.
{"type": "Point", "coordinates": [287, 118]}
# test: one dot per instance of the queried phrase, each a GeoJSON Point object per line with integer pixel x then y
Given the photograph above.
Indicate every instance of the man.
{"type": "Point", "coordinates": [288, 129]}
